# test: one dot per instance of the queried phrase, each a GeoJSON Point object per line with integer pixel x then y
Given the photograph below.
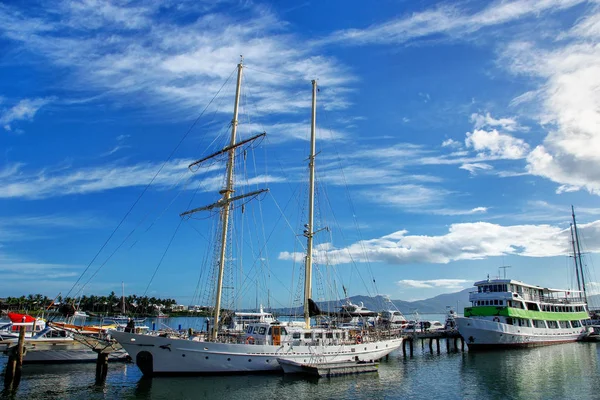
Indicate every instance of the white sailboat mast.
{"type": "Point", "coordinates": [226, 201]}
{"type": "Point", "coordinates": [311, 205]}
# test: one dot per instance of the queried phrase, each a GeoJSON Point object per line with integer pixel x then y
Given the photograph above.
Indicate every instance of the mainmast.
{"type": "Point", "coordinates": [226, 202]}
{"type": "Point", "coordinates": [579, 253]}
{"type": "Point", "coordinates": [575, 258]}
{"type": "Point", "coordinates": [309, 232]}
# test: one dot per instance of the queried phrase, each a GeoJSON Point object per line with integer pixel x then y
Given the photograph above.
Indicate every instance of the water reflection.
{"type": "Point", "coordinates": [552, 372]}
{"type": "Point", "coordinates": [556, 372]}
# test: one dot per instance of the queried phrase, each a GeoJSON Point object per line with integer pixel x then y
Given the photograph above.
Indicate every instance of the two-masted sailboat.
{"type": "Point", "coordinates": [264, 342]}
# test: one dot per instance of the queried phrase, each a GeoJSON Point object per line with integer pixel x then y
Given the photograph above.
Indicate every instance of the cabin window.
{"type": "Point", "coordinates": [565, 324]}
{"type": "Point", "coordinates": [539, 324]}
{"type": "Point", "coordinates": [319, 335]}
{"type": "Point", "coordinates": [509, 321]}
{"type": "Point", "coordinates": [255, 330]}
{"type": "Point", "coordinates": [307, 335]}
{"type": "Point", "coordinates": [552, 324]}
{"type": "Point", "coordinates": [575, 324]}
{"type": "Point", "coordinates": [329, 335]}
{"type": "Point", "coordinates": [296, 335]}
{"type": "Point", "coordinates": [269, 332]}
{"type": "Point", "coordinates": [249, 331]}
{"type": "Point", "coordinates": [500, 302]}
{"type": "Point", "coordinates": [262, 330]}
{"type": "Point", "coordinates": [283, 331]}
{"type": "Point", "coordinates": [479, 289]}
{"type": "Point", "coordinates": [495, 302]}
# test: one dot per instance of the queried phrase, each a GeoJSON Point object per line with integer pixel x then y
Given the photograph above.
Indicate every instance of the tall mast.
{"type": "Point", "coordinates": [579, 253]}
{"type": "Point", "coordinates": [575, 258]}
{"type": "Point", "coordinates": [226, 201]}
{"type": "Point", "coordinates": [309, 232]}
{"type": "Point", "coordinates": [123, 297]}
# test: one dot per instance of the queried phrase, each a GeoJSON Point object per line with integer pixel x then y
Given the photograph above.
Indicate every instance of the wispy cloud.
{"type": "Point", "coordinates": [24, 110]}
{"type": "Point", "coordinates": [176, 55]}
{"type": "Point", "coordinates": [434, 283]}
{"type": "Point", "coordinates": [453, 21]}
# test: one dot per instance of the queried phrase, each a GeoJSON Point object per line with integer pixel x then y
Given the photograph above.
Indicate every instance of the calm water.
{"type": "Point", "coordinates": [569, 371]}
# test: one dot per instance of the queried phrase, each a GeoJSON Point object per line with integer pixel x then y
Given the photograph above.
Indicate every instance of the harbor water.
{"type": "Point", "coordinates": [567, 371]}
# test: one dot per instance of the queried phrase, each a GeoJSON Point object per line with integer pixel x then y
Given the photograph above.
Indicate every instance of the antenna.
{"type": "Point", "coordinates": [504, 268]}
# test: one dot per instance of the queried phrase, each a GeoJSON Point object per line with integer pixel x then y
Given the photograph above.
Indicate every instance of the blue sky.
{"type": "Point", "coordinates": [462, 131]}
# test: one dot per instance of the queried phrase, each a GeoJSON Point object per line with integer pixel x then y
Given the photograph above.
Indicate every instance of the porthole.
{"type": "Point", "coordinates": [206, 357]}
{"type": "Point", "coordinates": [229, 359]}
{"type": "Point", "coordinates": [183, 355]}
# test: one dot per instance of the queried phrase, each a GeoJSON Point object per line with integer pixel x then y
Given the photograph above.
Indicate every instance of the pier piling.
{"type": "Point", "coordinates": [101, 367]}
{"type": "Point", "coordinates": [14, 366]}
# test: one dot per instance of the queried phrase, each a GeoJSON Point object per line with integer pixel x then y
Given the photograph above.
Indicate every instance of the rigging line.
{"type": "Point", "coordinates": [148, 185]}
{"type": "Point", "coordinates": [163, 256]}
{"type": "Point", "coordinates": [352, 208]}
{"type": "Point", "coordinates": [285, 219]}
{"type": "Point", "coordinates": [268, 73]}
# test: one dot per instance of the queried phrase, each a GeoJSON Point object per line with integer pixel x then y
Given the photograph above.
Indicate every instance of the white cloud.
{"type": "Point", "coordinates": [177, 56]}
{"type": "Point", "coordinates": [495, 144]}
{"type": "Point", "coordinates": [450, 20]}
{"type": "Point", "coordinates": [466, 241]}
{"type": "Point", "coordinates": [569, 103]}
{"type": "Point", "coordinates": [484, 120]}
{"type": "Point", "coordinates": [451, 143]}
{"type": "Point", "coordinates": [474, 167]}
{"type": "Point", "coordinates": [446, 211]}
{"type": "Point", "coordinates": [24, 110]}
{"type": "Point", "coordinates": [434, 283]}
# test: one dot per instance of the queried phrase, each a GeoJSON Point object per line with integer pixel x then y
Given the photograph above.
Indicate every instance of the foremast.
{"type": "Point", "coordinates": [309, 232]}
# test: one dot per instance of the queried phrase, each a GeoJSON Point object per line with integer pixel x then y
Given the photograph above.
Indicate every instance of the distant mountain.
{"type": "Point", "coordinates": [434, 305]}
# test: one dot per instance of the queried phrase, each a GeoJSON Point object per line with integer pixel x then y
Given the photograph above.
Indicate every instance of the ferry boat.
{"type": "Point", "coordinates": [510, 313]}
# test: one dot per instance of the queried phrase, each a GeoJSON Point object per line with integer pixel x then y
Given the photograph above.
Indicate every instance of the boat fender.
{"type": "Point", "coordinates": [249, 340]}
{"type": "Point", "coordinates": [358, 339]}
{"type": "Point", "coordinates": [496, 319]}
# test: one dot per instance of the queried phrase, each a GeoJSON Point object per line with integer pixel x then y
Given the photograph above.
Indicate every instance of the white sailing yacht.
{"type": "Point", "coordinates": [264, 342]}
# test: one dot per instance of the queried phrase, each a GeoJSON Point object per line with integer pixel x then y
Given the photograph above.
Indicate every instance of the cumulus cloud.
{"type": "Point", "coordinates": [465, 241]}
{"type": "Point", "coordinates": [495, 144]}
{"type": "Point", "coordinates": [569, 103]}
{"type": "Point", "coordinates": [451, 143]}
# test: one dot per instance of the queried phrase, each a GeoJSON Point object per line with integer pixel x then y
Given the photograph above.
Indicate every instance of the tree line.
{"type": "Point", "coordinates": [110, 304]}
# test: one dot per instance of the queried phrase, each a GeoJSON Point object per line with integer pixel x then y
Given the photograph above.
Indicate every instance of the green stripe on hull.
{"type": "Point", "coordinates": [491, 311]}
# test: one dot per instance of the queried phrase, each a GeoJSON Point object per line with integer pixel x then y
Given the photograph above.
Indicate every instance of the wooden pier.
{"type": "Point", "coordinates": [451, 337]}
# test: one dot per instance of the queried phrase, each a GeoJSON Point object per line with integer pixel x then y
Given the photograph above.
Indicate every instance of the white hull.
{"type": "Point", "coordinates": [54, 351]}
{"type": "Point", "coordinates": [486, 334]}
{"type": "Point", "coordinates": [160, 355]}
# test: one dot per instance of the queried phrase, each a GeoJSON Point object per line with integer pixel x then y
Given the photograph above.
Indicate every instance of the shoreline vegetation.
{"type": "Point", "coordinates": [98, 306]}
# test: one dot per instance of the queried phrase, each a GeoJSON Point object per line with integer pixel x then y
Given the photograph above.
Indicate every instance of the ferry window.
{"type": "Point", "coordinates": [262, 330]}
{"type": "Point", "coordinates": [509, 303]}
{"type": "Point", "coordinates": [249, 331]}
{"type": "Point", "coordinates": [319, 335]}
{"type": "Point", "coordinates": [479, 289]}
{"type": "Point", "coordinates": [509, 321]}
{"type": "Point", "coordinates": [329, 335]}
{"type": "Point", "coordinates": [255, 330]}
{"type": "Point", "coordinates": [307, 335]}
{"type": "Point", "coordinates": [495, 302]}
{"type": "Point", "coordinates": [487, 302]}
{"type": "Point", "coordinates": [501, 302]}
{"type": "Point", "coordinates": [575, 324]}
{"type": "Point", "coordinates": [296, 335]}
{"type": "Point", "coordinates": [337, 335]}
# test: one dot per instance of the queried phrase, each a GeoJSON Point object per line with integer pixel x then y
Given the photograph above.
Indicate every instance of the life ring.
{"type": "Point", "coordinates": [358, 339]}
{"type": "Point", "coordinates": [249, 340]}
{"type": "Point", "coordinates": [496, 319]}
